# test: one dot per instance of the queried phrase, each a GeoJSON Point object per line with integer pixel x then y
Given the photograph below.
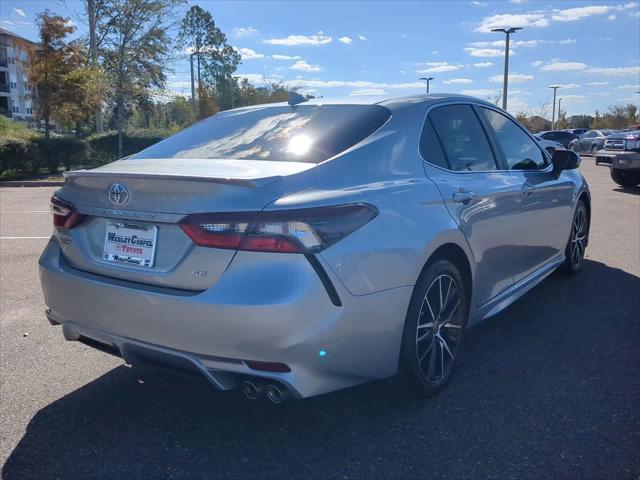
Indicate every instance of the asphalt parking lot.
{"type": "Point", "coordinates": [550, 388]}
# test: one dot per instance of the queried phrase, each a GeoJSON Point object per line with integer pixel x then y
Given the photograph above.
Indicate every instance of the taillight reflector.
{"type": "Point", "coordinates": [65, 214]}
{"type": "Point", "coordinates": [307, 230]}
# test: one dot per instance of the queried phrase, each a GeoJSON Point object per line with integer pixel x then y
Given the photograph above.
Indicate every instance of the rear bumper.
{"type": "Point", "coordinates": [266, 307]}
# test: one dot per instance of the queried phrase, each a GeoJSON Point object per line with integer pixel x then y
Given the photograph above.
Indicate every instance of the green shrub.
{"type": "Point", "coordinates": [104, 146]}
{"type": "Point", "coordinates": [19, 155]}
{"type": "Point", "coordinates": [12, 129]}
{"type": "Point", "coordinates": [69, 151]}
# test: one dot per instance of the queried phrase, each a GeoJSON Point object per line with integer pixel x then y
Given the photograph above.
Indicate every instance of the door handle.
{"type": "Point", "coordinates": [463, 197]}
{"type": "Point", "coordinates": [528, 189]}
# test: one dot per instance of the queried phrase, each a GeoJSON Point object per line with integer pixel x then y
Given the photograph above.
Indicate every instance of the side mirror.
{"type": "Point", "coordinates": [565, 160]}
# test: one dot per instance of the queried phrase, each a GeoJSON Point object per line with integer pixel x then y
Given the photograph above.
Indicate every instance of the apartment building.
{"type": "Point", "coordinates": [16, 92]}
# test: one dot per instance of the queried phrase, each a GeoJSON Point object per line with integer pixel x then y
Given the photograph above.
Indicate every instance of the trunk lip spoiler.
{"type": "Point", "coordinates": [243, 182]}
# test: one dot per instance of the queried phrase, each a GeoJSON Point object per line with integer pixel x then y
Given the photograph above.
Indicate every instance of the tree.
{"type": "Point", "coordinates": [561, 122]}
{"type": "Point", "coordinates": [82, 92]}
{"type": "Point", "coordinates": [50, 64]}
{"type": "Point", "coordinates": [135, 46]}
{"type": "Point", "coordinates": [216, 60]}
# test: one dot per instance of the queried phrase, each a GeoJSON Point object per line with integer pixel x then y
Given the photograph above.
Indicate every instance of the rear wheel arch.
{"type": "Point", "coordinates": [584, 196]}
{"type": "Point", "coordinates": [456, 255]}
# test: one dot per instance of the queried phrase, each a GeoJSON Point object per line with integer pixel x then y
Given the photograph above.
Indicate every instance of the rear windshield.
{"type": "Point", "coordinates": [303, 133]}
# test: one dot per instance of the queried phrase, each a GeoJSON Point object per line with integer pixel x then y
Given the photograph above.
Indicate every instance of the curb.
{"type": "Point", "coordinates": [31, 183]}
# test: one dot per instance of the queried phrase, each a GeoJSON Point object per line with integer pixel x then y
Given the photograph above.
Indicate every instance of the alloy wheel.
{"type": "Point", "coordinates": [439, 329]}
{"type": "Point", "coordinates": [578, 236]}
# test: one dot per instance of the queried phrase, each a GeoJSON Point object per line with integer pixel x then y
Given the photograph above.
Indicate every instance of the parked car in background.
{"type": "Point", "coordinates": [590, 142]}
{"type": "Point", "coordinates": [560, 136]}
{"type": "Point", "coordinates": [296, 249]}
{"type": "Point", "coordinates": [622, 154]}
{"type": "Point", "coordinates": [577, 131]}
{"type": "Point", "coordinates": [549, 145]}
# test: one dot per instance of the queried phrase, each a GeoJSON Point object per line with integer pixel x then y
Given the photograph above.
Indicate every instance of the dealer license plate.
{"type": "Point", "coordinates": [130, 244]}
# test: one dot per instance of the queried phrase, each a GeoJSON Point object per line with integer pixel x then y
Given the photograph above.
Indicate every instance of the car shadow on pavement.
{"type": "Point", "coordinates": [542, 386]}
{"type": "Point", "coordinates": [629, 190]}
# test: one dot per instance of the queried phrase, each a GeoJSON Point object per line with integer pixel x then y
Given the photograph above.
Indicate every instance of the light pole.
{"type": "Point", "coordinates": [508, 32]}
{"type": "Point", "coordinates": [428, 79]}
{"type": "Point", "coordinates": [553, 115]}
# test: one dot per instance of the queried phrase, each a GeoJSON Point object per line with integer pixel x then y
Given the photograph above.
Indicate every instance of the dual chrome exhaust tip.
{"type": "Point", "coordinates": [275, 392]}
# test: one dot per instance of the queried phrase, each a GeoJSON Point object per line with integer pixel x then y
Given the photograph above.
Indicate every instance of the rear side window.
{"type": "Point", "coordinates": [520, 151]}
{"type": "Point", "coordinates": [465, 144]}
{"type": "Point", "coordinates": [430, 148]}
{"type": "Point", "coordinates": [302, 133]}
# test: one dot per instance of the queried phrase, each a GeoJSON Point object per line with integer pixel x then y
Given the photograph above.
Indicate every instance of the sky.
{"type": "Point", "coordinates": [347, 48]}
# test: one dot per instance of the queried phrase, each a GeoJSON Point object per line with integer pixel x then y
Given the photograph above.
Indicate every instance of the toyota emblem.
{"type": "Point", "coordinates": [118, 194]}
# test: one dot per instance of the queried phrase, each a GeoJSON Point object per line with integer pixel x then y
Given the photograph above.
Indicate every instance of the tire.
{"type": "Point", "coordinates": [594, 150]}
{"type": "Point", "coordinates": [578, 240]}
{"type": "Point", "coordinates": [625, 179]}
{"type": "Point", "coordinates": [571, 147]}
{"type": "Point", "coordinates": [433, 337]}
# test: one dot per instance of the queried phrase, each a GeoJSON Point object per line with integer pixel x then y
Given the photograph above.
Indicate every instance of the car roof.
{"type": "Point", "coordinates": [389, 101]}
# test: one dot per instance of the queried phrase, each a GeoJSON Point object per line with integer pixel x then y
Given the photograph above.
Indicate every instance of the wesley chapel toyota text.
{"type": "Point", "coordinates": [298, 248]}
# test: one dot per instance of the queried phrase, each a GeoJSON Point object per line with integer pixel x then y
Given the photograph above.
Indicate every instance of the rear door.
{"type": "Point", "coordinates": [542, 227]}
{"type": "Point", "coordinates": [483, 198]}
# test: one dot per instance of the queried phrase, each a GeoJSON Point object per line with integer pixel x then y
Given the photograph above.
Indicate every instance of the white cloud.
{"type": "Point", "coordinates": [563, 66]}
{"type": "Point", "coordinates": [358, 84]}
{"type": "Point", "coordinates": [516, 43]}
{"type": "Point", "coordinates": [6, 22]}
{"type": "Point", "coordinates": [487, 52]}
{"type": "Point", "coordinates": [568, 41]}
{"type": "Point", "coordinates": [598, 83]}
{"type": "Point", "coordinates": [362, 37]}
{"type": "Point", "coordinates": [346, 40]}
{"type": "Point", "coordinates": [70, 23]}
{"type": "Point", "coordinates": [303, 66]}
{"type": "Point", "coordinates": [317, 39]}
{"type": "Point", "coordinates": [483, 64]}
{"type": "Point", "coordinates": [286, 57]}
{"type": "Point", "coordinates": [248, 54]}
{"type": "Point", "coordinates": [439, 67]}
{"type": "Point", "coordinates": [257, 78]}
{"type": "Point", "coordinates": [403, 72]}
{"type": "Point", "coordinates": [479, 4]}
{"type": "Point", "coordinates": [479, 92]}
{"type": "Point", "coordinates": [368, 91]}
{"type": "Point", "coordinates": [537, 63]}
{"type": "Point", "coordinates": [544, 18]}
{"type": "Point", "coordinates": [611, 17]}
{"type": "Point", "coordinates": [615, 71]}
{"type": "Point", "coordinates": [240, 32]}
{"type": "Point", "coordinates": [19, 12]}
{"type": "Point", "coordinates": [578, 13]}
{"type": "Point", "coordinates": [458, 80]}
{"type": "Point", "coordinates": [513, 78]}
{"type": "Point", "coordinates": [517, 1]}
{"type": "Point", "coordinates": [513, 20]}
{"type": "Point", "coordinates": [569, 86]}
{"type": "Point", "coordinates": [571, 99]}
{"type": "Point", "coordinates": [628, 87]}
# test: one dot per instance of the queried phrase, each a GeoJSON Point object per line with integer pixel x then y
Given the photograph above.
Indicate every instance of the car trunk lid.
{"type": "Point", "coordinates": [159, 193]}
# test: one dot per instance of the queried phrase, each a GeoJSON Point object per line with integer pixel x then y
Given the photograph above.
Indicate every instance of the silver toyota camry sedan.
{"type": "Point", "coordinates": [298, 248]}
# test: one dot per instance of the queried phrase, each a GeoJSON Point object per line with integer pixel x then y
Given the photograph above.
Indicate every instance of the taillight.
{"type": "Point", "coordinates": [65, 214]}
{"type": "Point", "coordinates": [306, 230]}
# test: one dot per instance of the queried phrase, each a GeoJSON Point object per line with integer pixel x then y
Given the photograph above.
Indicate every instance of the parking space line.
{"type": "Point", "coordinates": [23, 238]}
